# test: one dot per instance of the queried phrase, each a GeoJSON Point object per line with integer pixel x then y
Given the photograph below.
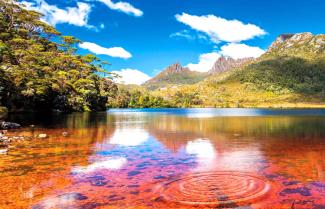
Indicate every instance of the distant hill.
{"type": "Point", "coordinates": [290, 74]}
{"type": "Point", "coordinates": [294, 63]}
{"type": "Point", "coordinates": [173, 75]}
{"type": "Point", "coordinates": [224, 64]}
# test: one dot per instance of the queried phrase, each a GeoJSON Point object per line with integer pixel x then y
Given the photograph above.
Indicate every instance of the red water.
{"type": "Point", "coordinates": [167, 161]}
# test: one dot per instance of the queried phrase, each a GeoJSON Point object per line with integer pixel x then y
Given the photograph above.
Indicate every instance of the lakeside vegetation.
{"type": "Point", "coordinates": [3, 112]}
{"type": "Point", "coordinates": [40, 70]}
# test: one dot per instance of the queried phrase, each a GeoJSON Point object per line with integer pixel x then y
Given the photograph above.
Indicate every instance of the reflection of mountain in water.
{"type": "Point", "coordinates": [276, 126]}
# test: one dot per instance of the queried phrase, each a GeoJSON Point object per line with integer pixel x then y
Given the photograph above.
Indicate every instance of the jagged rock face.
{"type": "Point", "coordinates": [279, 40]}
{"type": "Point", "coordinates": [289, 43]}
{"type": "Point", "coordinates": [175, 75]}
{"type": "Point", "coordinates": [224, 64]}
{"type": "Point", "coordinates": [176, 68]}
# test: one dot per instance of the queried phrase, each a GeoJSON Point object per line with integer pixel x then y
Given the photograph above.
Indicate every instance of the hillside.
{"type": "Point", "coordinates": [290, 74]}
{"type": "Point", "coordinates": [174, 75]}
{"type": "Point", "coordinates": [294, 64]}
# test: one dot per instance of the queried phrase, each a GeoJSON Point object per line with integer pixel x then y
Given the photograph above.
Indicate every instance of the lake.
{"type": "Point", "coordinates": [167, 158]}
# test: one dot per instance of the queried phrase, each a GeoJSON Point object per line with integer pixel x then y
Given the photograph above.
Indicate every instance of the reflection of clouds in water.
{"type": "Point", "coordinates": [245, 159]}
{"type": "Point", "coordinates": [209, 113]}
{"type": "Point", "coordinates": [129, 136]}
{"type": "Point", "coordinates": [112, 163]}
{"type": "Point", "coordinates": [130, 122]}
{"type": "Point", "coordinates": [201, 115]}
{"type": "Point", "coordinates": [204, 150]}
{"type": "Point", "coordinates": [206, 156]}
{"type": "Point", "coordinates": [65, 200]}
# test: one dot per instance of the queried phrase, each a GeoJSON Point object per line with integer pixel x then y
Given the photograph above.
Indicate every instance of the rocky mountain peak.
{"type": "Point", "coordinates": [288, 41]}
{"type": "Point", "coordinates": [224, 64]}
{"type": "Point", "coordinates": [175, 68]}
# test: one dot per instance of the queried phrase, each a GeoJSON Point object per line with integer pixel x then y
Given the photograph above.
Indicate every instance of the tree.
{"type": "Point", "coordinates": [38, 73]}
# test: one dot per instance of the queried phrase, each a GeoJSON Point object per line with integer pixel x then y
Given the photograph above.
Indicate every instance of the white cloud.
{"type": "Point", "coordinates": [233, 50]}
{"type": "Point", "coordinates": [206, 62]}
{"type": "Point", "coordinates": [182, 34]}
{"type": "Point", "coordinates": [131, 76]}
{"type": "Point", "coordinates": [237, 51]}
{"type": "Point", "coordinates": [220, 29]}
{"type": "Point", "coordinates": [113, 52]}
{"type": "Point", "coordinates": [53, 15]}
{"type": "Point", "coordinates": [188, 35]}
{"type": "Point", "coordinates": [123, 7]}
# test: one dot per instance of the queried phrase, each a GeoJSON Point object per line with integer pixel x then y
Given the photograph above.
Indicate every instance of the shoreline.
{"type": "Point", "coordinates": [315, 107]}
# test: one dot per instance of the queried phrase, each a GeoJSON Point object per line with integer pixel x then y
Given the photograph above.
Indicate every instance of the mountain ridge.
{"type": "Point", "coordinates": [290, 74]}
{"type": "Point", "coordinates": [224, 64]}
{"type": "Point", "coordinates": [174, 74]}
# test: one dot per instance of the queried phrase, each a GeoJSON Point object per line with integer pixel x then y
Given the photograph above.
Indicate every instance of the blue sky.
{"type": "Point", "coordinates": [142, 37]}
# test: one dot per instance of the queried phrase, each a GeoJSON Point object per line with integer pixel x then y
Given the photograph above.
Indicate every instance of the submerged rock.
{"type": "Point", "coordinates": [42, 136]}
{"type": "Point", "coordinates": [9, 125]}
{"type": "Point", "coordinates": [3, 151]}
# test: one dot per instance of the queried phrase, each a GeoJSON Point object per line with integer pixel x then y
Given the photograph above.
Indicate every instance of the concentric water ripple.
{"type": "Point", "coordinates": [220, 188]}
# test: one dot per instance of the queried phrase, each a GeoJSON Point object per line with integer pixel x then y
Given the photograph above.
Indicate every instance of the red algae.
{"type": "Point", "coordinates": [223, 188]}
{"type": "Point", "coordinates": [110, 163]}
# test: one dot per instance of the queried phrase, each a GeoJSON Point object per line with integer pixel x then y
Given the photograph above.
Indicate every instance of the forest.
{"type": "Point", "coordinates": [40, 70]}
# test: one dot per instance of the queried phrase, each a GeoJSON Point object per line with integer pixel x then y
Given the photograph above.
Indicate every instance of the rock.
{"type": "Point", "coordinates": [9, 125]}
{"type": "Point", "coordinates": [42, 136]}
{"type": "Point", "coordinates": [3, 151]}
{"type": "Point", "coordinates": [65, 134]}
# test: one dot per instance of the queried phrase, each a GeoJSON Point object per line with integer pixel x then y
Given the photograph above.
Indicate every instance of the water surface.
{"type": "Point", "coordinates": [168, 158]}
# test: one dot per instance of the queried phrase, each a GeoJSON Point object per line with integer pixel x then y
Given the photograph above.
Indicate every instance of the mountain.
{"type": "Point", "coordinates": [290, 74]}
{"type": "Point", "coordinates": [175, 74]}
{"type": "Point", "coordinates": [294, 63]}
{"type": "Point", "coordinates": [305, 45]}
{"type": "Point", "coordinates": [224, 64]}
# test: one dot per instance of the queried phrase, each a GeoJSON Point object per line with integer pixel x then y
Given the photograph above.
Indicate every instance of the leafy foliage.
{"type": "Point", "coordinates": [37, 73]}
{"type": "Point", "coordinates": [176, 79]}
{"type": "Point", "coordinates": [136, 98]}
{"type": "Point", "coordinates": [3, 112]}
{"type": "Point", "coordinates": [287, 74]}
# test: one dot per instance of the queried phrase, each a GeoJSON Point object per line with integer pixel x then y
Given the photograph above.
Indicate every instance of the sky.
{"type": "Point", "coordinates": [142, 37]}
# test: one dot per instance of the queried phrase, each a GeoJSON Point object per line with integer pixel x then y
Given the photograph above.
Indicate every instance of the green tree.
{"type": "Point", "coordinates": [38, 73]}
